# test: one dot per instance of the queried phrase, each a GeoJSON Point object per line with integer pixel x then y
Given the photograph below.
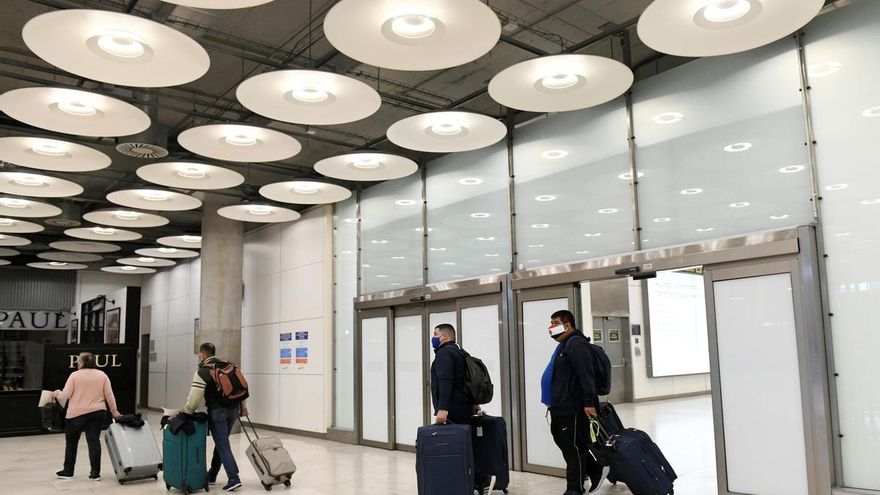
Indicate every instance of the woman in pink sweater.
{"type": "Point", "coordinates": [89, 395]}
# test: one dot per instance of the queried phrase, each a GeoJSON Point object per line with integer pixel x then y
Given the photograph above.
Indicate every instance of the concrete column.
{"type": "Point", "coordinates": [221, 283]}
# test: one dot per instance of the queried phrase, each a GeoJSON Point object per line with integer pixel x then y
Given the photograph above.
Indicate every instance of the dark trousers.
{"type": "Point", "coordinates": [221, 421]}
{"type": "Point", "coordinates": [572, 435]}
{"type": "Point", "coordinates": [73, 428]}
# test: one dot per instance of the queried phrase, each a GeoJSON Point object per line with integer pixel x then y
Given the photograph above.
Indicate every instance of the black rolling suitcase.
{"type": "Point", "coordinates": [609, 419]}
{"type": "Point", "coordinates": [637, 461]}
{"type": "Point", "coordinates": [489, 436]}
{"type": "Point", "coordinates": [52, 417]}
{"type": "Point", "coordinates": [445, 460]}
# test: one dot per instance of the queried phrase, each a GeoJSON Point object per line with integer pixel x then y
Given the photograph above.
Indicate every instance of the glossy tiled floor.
{"type": "Point", "coordinates": [682, 428]}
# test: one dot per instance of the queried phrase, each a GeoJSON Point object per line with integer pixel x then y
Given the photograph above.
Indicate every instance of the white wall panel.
{"type": "Point", "coordinates": [179, 321]}
{"type": "Point", "coordinates": [262, 252]}
{"type": "Point", "coordinates": [302, 292]}
{"type": "Point", "coordinates": [195, 285]}
{"type": "Point", "coordinates": [159, 319]}
{"type": "Point", "coordinates": [263, 404]}
{"type": "Point", "coordinates": [261, 300]}
{"type": "Point", "coordinates": [178, 281]}
{"type": "Point", "coordinates": [302, 242]}
{"type": "Point", "coordinates": [301, 404]}
{"type": "Point", "coordinates": [156, 391]}
{"type": "Point", "coordinates": [160, 348]}
{"type": "Point", "coordinates": [259, 349]}
{"type": "Point", "coordinates": [181, 358]}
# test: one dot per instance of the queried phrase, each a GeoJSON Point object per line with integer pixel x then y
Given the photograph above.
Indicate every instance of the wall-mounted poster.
{"type": "Point", "coordinates": [285, 359]}
{"type": "Point", "coordinates": [112, 335]}
{"type": "Point", "coordinates": [597, 335]}
{"type": "Point", "coordinates": [73, 333]}
{"type": "Point", "coordinates": [613, 335]}
{"type": "Point", "coordinates": [197, 336]}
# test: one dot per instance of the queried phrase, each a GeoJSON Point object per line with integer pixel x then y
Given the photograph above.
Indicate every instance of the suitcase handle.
{"type": "Point", "coordinates": [595, 429]}
{"type": "Point", "coordinates": [244, 428]}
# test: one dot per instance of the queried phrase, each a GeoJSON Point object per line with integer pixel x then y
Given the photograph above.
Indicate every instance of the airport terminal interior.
{"type": "Point", "coordinates": [314, 186]}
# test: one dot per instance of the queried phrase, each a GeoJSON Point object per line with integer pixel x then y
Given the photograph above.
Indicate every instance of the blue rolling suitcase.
{"type": "Point", "coordinates": [489, 437]}
{"type": "Point", "coordinates": [445, 460]}
{"type": "Point", "coordinates": [185, 458]}
{"type": "Point", "coordinates": [637, 461]}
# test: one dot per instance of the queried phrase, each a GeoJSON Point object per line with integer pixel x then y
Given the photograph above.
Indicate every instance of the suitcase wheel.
{"type": "Point", "coordinates": [156, 477]}
{"type": "Point", "coordinates": [121, 482]}
{"type": "Point", "coordinates": [167, 487]}
{"type": "Point", "coordinates": [287, 483]}
{"type": "Point", "coordinates": [267, 487]}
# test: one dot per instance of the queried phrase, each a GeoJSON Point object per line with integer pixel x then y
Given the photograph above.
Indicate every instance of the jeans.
{"type": "Point", "coordinates": [220, 422]}
{"type": "Point", "coordinates": [73, 428]}
{"type": "Point", "coordinates": [572, 435]}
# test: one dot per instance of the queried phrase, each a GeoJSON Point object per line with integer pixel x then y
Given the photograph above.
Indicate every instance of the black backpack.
{"type": "Point", "coordinates": [477, 382]}
{"type": "Point", "coordinates": [601, 367]}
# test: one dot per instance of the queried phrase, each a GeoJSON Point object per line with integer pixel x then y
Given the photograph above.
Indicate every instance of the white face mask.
{"type": "Point", "coordinates": [557, 330]}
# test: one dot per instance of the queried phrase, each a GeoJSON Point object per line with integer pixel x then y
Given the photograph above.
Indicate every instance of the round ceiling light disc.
{"type": "Point", "coordinates": [308, 97]}
{"type": "Point", "coordinates": [146, 261]}
{"type": "Point", "coordinates": [366, 166]}
{"type": "Point", "coordinates": [116, 48]}
{"type": "Point", "coordinates": [72, 111]}
{"type": "Point", "coordinates": [56, 265]}
{"type": "Point", "coordinates": [219, 4]}
{"type": "Point", "coordinates": [258, 213]}
{"type": "Point", "coordinates": [103, 234]}
{"type": "Point", "coordinates": [11, 240]}
{"type": "Point", "coordinates": [13, 226]}
{"type": "Point", "coordinates": [25, 208]}
{"type": "Point", "coordinates": [127, 270]}
{"type": "Point", "coordinates": [446, 132]}
{"type": "Point", "coordinates": [701, 28]}
{"type": "Point", "coordinates": [9, 252]}
{"type": "Point", "coordinates": [125, 218]}
{"type": "Point", "coordinates": [84, 246]}
{"type": "Point", "coordinates": [154, 199]}
{"type": "Point", "coordinates": [181, 241]}
{"type": "Point", "coordinates": [51, 154]}
{"type": "Point", "coordinates": [37, 186]}
{"type": "Point", "coordinates": [304, 192]}
{"type": "Point", "coordinates": [69, 257]}
{"type": "Point", "coordinates": [188, 175]}
{"type": "Point", "coordinates": [560, 83]}
{"type": "Point", "coordinates": [166, 252]}
{"type": "Point", "coordinates": [5, 262]}
{"type": "Point", "coordinates": [412, 34]}
{"type": "Point", "coordinates": [239, 143]}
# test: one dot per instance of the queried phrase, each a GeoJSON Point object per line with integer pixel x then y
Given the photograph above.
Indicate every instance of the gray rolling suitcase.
{"type": "Point", "coordinates": [134, 452]}
{"type": "Point", "coordinates": [270, 459]}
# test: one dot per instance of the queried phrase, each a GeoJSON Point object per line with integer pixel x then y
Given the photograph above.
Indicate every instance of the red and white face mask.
{"type": "Point", "coordinates": [556, 329]}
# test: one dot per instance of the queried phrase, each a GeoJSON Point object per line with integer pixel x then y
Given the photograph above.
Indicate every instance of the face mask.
{"type": "Point", "coordinates": [557, 330]}
{"type": "Point", "coordinates": [435, 342]}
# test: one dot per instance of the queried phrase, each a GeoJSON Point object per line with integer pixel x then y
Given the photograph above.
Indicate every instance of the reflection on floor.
{"type": "Point", "coordinates": [682, 428]}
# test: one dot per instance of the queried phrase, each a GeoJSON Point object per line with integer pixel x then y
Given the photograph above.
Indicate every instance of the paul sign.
{"type": "Point", "coordinates": [23, 319]}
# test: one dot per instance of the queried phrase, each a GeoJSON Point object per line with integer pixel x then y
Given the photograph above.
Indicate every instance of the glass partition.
{"type": "Point", "coordinates": [468, 214]}
{"type": "Point", "coordinates": [573, 198]}
{"type": "Point", "coordinates": [721, 148]}
{"type": "Point", "coordinates": [345, 289]}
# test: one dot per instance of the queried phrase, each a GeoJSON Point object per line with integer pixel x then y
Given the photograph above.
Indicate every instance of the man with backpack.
{"type": "Point", "coordinates": [578, 372]}
{"type": "Point", "coordinates": [448, 374]}
{"type": "Point", "coordinates": [224, 390]}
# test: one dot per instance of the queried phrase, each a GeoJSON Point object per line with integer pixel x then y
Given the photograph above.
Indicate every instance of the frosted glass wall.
{"type": "Point", "coordinates": [344, 291]}
{"type": "Point", "coordinates": [841, 51]}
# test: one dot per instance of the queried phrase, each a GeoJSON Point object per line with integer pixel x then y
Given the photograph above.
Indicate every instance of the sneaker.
{"type": "Point", "coordinates": [573, 492]}
{"type": "Point", "coordinates": [212, 478]}
{"type": "Point", "coordinates": [487, 490]}
{"type": "Point", "coordinates": [61, 475]}
{"type": "Point", "coordinates": [232, 486]}
{"type": "Point", "coordinates": [597, 482]}
{"type": "Point", "coordinates": [95, 477]}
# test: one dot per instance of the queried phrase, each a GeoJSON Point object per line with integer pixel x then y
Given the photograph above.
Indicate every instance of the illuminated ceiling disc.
{"type": "Point", "coordinates": [146, 261]}
{"type": "Point", "coordinates": [84, 246]}
{"type": "Point", "coordinates": [51, 154]}
{"type": "Point", "coordinates": [13, 226]}
{"type": "Point", "coordinates": [37, 185]}
{"type": "Point", "coordinates": [69, 257]}
{"type": "Point", "coordinates": [125, 218]}
{"type": "Point", "coordinates": [9, 252]}
{"type": "Point", "coordinates": [12, 241]}
{"type": "Point", "coordinates": [258, 213]}
{"type": "Point", "coordinates": [127, 270]}
{"type": "Point", "coordinates": [560, 83]}
{"type": "Point", "coordinates": [446, 132]}
{"type": "Point", "coordinates": [5, 262]}
{"type": "Point", "coordinates": [56, 265]}
{"type": "Point", "coordinates": [308, 97]}
{"type": "Point", "coordinates": [181, 241]}
{"type": "Point", "coordinates": [412, 34]}
{"type": "Point", "coordinates": [154, 199]}
{"type": "Point", "coordinates": [702, 28]}
{"type": "Point", "coordinates": [219, 4]}
{"type": "Point", "coordinates": [103, 234]}
{"type": "Point", "coordinates": [304, 192]}
{"type": "Point", "coordinates": [72, 111]}
{"type": "Point", "coordinates": [26, 208]}
{"type": "Point", "coordinates": [116, 48]}
{"type": "Point", "coordinates": [164, 252]}
{"type": "Point", "coordinates": [366, 167]}
{"type": "Point", "coordinates": [188, 175]}
{"type": "Point", "coordinates": [239, 143]}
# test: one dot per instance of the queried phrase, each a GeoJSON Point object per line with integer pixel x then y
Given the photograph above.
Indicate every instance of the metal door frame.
{"type": "Point", "coordinates": [363, 314]}
{"type": "Point", "coordinates": [571, 292]}
{"type": "Point", "coordinates": [442, 306]}
{"type": "Point", "coordinates": [401, 312]}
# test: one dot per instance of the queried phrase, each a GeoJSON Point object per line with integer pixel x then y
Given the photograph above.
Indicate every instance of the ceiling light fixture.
{"type": "Point", "coordinates": [241, 139]}
{"type": "Point", "coordinates": [707, 229]}
{"type": "Point", "coordinates": [191, 238]}
{"type": "Point", "coordinates": [398, 257]}
{"type": "Point", "coordinates": [449, 263]}
{"type": "Point", "coordinates": [128, 268]}
{"type": "Point", "coordinates": [545, 198]}
{"type": "Point", "coordinates": [581, 252]}
{"type": "Point", "coordinates": [691, 191]}
{"type": "Point", "coordinates": [792, 169]}
{"type": "Point", "coordinates": [724, 11]}
{"type": "Point", "coordinates": [662, 220]}
{"type": "Point", "coordinates": [309, 93]}
{"type": "Point", "coordinates": [741, 204]}
{"type": "Point", "coordinates": [836, 187]}
{"type": "Point", "coordinates": [306, 188]}
{"type": "Point", "coordinates": [57, 263]}
{"type": "Point", "coordinates": [869, 202]}
{"type": "Point", "coordinates": [540, 225]}
{"type": "Point", "coordinates": [629, 175]}
{"type": "Point", "coordinates": [778, 217]}
{"type": "Point", "coordinates": [103, 230]}
{"type": "Point", "coordinates": [470, 181]}
{"type": "Point", "coordinates": [413, 26]}
{"type": "Point", "coordinates": [485, 238]}
{"type": "Point", "coordinates": [667, 118]}
{"type": "Point", "coordinates": [824, 69]}
{"type": "Point", "coordinates": [50, 149]}
{"type": "Point", "coordinates": [366, 162]}
{"type": "Point", "coordinates": [144, 259]}
{"type": "Point", "coordinates": [438, 249]}
{"type": "Point", "coordinates": [535, 246]}
{"type": "Point", "coordinates": [192, 172]}
{"type": "Point", "coordinates": [606, 211]}
{"type": "Point", "coordinates": [493, 255]}
{"type": "Point", "coordinates": [554, 154]}
{"type": "Point", "coordinates": [261, 210]}
{"type": "Point", "coordinates": [594, 234]}
{"type": "Point", "coordinates": [405, 202]}
{"type": "Point", "coordinates": [446, 129]}
{"type": "Point", "coordinates": [167, 250]}
{"type": "Point", "coordinates": [122, 44]}
{"type": "Point", "coordinates": [7, 222]}
{"type": "Point", "coordinates": [77, 108]}
{"type": "Point", "coordinates": [13, 202]}
{"type": "Point", "coordinates": [155, 196]}
{"type": "Point", "coordinates": [126, 215]}
{"type": "Point", "coordinates": [379, 241]}
{"type": "Point", "coordinates": [872, 112]}
{"type": "Point", "coordinates": [737, 147]}
{"type": "Point", "coordinates": [558, 82]}
{"type": "Point", "coordinates": [480, 215]}
{"type": "Point", "coordinates": [29, 180]}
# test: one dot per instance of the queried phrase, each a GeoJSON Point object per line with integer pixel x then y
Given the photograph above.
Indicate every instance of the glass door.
{"type": "Point", "coordinates": [481, 336]}
{"type": "Point", "coordinates": [375, 386]}
{"type": "Point", "coordinates": [409, 390]}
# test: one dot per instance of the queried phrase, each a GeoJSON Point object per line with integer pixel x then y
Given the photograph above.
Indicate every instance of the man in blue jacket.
{"type": "Point", "coordinates": [447, 379]}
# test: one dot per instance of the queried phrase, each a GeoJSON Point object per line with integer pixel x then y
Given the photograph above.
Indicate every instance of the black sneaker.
{"type": "Point", "coordinates": [212, 478]}
{"type": "Point", "coordinates": [597, 481]}
{"type": "Point", "coordinates": [232, 486]}
{"type": "Point", "coordinates": [61, 475]}
{"type": "Point", "coordinates": [95, 477]}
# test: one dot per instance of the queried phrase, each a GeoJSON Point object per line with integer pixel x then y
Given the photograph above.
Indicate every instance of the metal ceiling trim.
{"type": "Point", "coordinates": [440, 291]}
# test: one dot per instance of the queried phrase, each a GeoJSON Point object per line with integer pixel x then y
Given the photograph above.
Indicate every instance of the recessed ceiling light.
{"type": "Point", "coordinates": [608, 210]}
{"type": "Point", "coordinates": [379, 241]}
{"type": "Point", "coordinates": [126, 215]}
{"type": "Point", "coordinates": [667, 118]}
{"type": "Point", "coordinates": [381, 276]}
{"type": "Point", "coordinates": [191, 238]}
{"type": "Point", "coordinates": [419, 229]}
{"type": "Point", "coordinates": [192, 172]}
{"type": "Point", "coordinates": [122, 44]}
{"type": "Point", "coordinates": [438, 249]}
{"type": "Point", "coordinates": [559, 81]}
{"type": "Point", "coordinates": [691, 191]}
{"type": "Point", "coordinates": [480, 215]}
{"type": "Point", "coordinates": [306, 188]}
{"type": "Point", "coordinates": [50, 148]}
{"type": "Point", "coordinates": [872, 112]}
{"type": "Point", "coordinates": [364, 265]}
{"type": "Point", "coordinates": [792, 169]}
{"type": "Point", "coordinates": [737, 147]}
{"type": "Point", "coordinates": [836, 187]}
{"type": "Point", "coordinates": [413, 26]}
{"type": "Point", "coordinates": [29, 180]}
{"type": "Point", "coordinates": [496, 270]}
{"type": "Point", "coordinates": [491, 255]}
{"type": "Point", "coordinates": [824, 69]}
{"type": "Point", "coordinates": [57, 263]}
{"type": "Point", "coordinates": [779, 217]}
{"type": "Point", "coordinates": [6, 222]}
{"type": "Point", "coordinates": [707, 229]}
{"type": "Point", "coordinates": [350, 220]}
{"type": "Point", "coordinates": [145, 259]}
{"type": "Point", "coordinates": [446, 129]}
{"type": "Point", "coordinates": [470, 181]}
{"type": "Point", "coordinates": [13, 202]}
{"type": "Point", "coordinates": [724, 11]}
{"type": "Point", "coordinates": [405, 202]}
{"type": "Point", "coordinates": [167, 250]}
{"type": "Point", "coordinates": [241, 138]}
{"type": "Point", "coordinates": [536, 245]}
{"type": "Point", "coordinates": [554, 154]}
{"type": "Point", "coordinates": [629, 176]}
{"type": "Point", "coordinates": [581, 252]}
{"type": "Point", "coordinates": [366, 162]}
{"type": "Point", "coordinates": [540, 225]}
{"type": "Point", "coordinates": [308, 92]}
{"type": "Point", "coordinates": [868, 202]}
{"type": "Point", "coordinates": [545, 197]}
{"type": "Point", "coordinates": [155, 196]}
{"type": "Point", "coordinates": [485, 238]}
{"type": "Point", "coordinates": [77, 108]}
{"type": "Point", "coordinates": [593, 234]}
{"type": "Point", "coordinates": [260, 210]}
{"type": "Point", "coordinates": [128, 268]}
{"type": "Point", "coordinates": [662, 220]}
{"type": "Point", "coordinates": [449, 263]}
{"type": "Point", "coordinates": [843, 234]}
{"type": "Point", "coordinates": [398, 257]}
{"type": "Point", "coordinates": [741, 204]}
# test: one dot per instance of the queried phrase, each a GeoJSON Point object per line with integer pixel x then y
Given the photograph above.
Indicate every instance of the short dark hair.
{"type": "Point", "coordinates": [447, 329]}
{"type": "Point", "coordinates": [208, 349]}
{"type": "Point", "coordinates": [87, 360]}
{"type": "Point", "coordinates": [565, 316]}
